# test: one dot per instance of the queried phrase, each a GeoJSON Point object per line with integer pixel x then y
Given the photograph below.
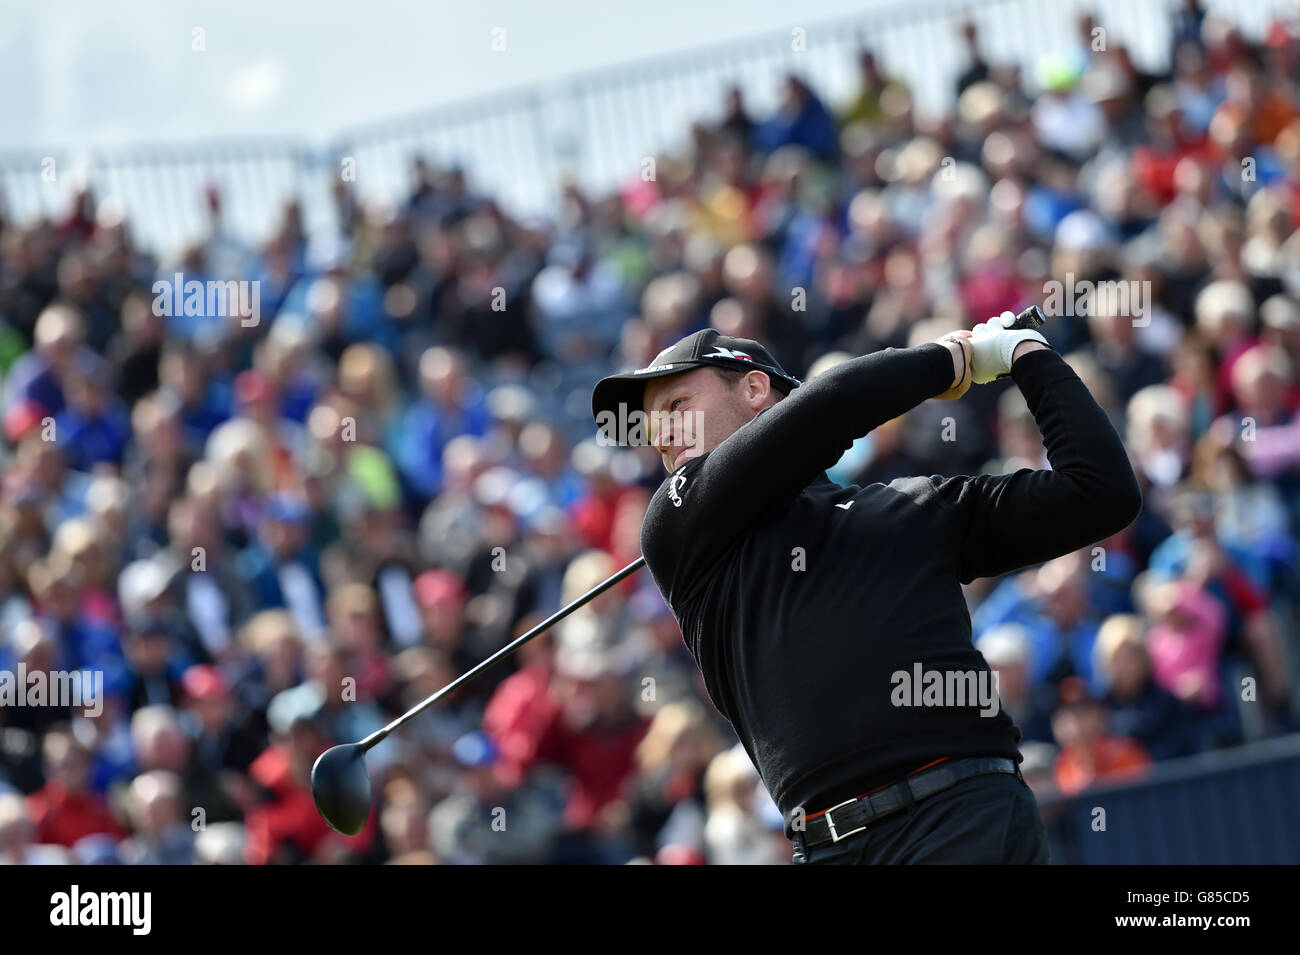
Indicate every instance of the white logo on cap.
{"type": "Point", "coordinates": [646, 371]}
{"type": "Point", "coordinates": [728, 353]}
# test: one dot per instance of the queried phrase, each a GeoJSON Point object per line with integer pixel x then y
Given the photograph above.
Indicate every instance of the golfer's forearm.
{"type": "Point", "coordinates": [1090, 467]}
{"type": "Point", "coordinates": [1090, 492]}
{"type": "Point", "coordinates": [808, 431]}
{"type": "Point", "coordinates": [774, 456]}
{"type": "Point", "coordinates": [863, 393]}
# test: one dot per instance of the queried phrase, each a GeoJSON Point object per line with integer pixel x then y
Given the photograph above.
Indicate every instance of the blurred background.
{"type": "Point", "coordinates": [270, 538]}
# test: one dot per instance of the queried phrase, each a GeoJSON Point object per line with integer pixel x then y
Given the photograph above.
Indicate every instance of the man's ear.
{"type": "Point", "coordinates": [758, 389]}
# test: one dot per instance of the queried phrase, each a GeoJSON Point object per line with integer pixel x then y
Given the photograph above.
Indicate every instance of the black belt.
{"type": "Point", "coordinates": [852, 815]}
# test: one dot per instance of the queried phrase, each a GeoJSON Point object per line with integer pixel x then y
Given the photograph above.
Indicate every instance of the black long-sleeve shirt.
{"type": "Point", "coordinates": [801, 661]}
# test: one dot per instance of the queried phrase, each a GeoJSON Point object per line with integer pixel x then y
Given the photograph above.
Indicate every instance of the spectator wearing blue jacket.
{"type": "Point", "coordinates": [280, 568]}
{"type": "Point", "coordinates": [802, 120]}
{"type": "Point", "coordinates": [450, 405]}
{"type": "Point", "coordinates": [93, 428]}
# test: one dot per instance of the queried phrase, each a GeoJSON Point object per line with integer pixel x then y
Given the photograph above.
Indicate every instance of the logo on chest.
{"type": "Point", "coordinates": [677, 483]}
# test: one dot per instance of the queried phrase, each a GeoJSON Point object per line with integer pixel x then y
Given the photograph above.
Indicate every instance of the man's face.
{"type": "Point", "coordinates": [692, 413]}
{"type": "Point", "coordinates": [72, 769]}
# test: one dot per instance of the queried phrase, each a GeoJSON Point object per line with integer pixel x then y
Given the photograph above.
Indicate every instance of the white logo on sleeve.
{"type": "Point", "coordinates": [677, 483]}
{"type": "Point", "coordinates": [845, 506]}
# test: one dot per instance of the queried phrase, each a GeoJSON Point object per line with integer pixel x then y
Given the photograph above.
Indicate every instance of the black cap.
{"type": "Point", "coordinates": [706, 347]}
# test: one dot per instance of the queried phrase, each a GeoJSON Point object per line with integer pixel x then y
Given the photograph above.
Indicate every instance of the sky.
{"type": "Point", "coordinates": [98, 83]}
{"type": "Point", "coordinates": [84, 72]}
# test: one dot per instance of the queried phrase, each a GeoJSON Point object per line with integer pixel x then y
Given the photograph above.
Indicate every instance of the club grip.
{"type": "Point", "coordinates": [1030, 318]}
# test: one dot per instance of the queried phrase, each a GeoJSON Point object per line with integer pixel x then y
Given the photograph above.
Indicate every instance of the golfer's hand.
{"type": "Point", "coordinates": [995, 346]}
{"type": "Point", "coordinates": [958, 343]}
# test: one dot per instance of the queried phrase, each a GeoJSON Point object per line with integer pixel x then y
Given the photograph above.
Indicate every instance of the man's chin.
{"type": "Point", "coordinates": [683, 457]}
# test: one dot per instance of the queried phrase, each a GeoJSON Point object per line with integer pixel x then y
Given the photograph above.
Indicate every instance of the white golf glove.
{"type": "Point", "coordinates": [992, 345]}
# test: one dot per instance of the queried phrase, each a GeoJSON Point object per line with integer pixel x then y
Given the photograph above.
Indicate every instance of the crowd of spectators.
{"type": "Point", "coordinates": [272, 537]}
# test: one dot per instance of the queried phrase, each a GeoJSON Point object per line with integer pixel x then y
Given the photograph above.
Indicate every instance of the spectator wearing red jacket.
{"type": "Point", "coordinates": [523, 706]}
{"type": "Point", "coordinates": [287, 828]}
{"type": "Point", "coordinates": [1171, 141]}
{"type": "Point", "coordinates": [594, 738]}
{"type": "Point", "coordinates": [1089, 753]}
{"type": "Point", "coordinates": [65, 809]}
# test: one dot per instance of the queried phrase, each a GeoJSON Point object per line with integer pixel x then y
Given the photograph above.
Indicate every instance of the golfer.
{"type": "Point", "coordinates": [829, 622]}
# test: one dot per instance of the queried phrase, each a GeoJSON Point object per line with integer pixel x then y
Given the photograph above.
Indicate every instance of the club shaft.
{"type": "Point", "coordinates": [380, 734]}
{"type": "Point", "coordinates": [1029, 318]}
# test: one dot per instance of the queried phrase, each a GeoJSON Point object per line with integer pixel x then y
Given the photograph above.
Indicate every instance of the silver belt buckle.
{"type": "Point", "coordinates": [830, 822]}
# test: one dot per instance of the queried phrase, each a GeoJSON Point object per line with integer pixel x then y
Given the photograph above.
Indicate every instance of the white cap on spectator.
{"type": "Point", "coordinates": [221, 843]}
{"type": "Point", "coordinates": [511, 402]}
{"type": "Point", "coordinates": [980, 102]}
{"type": "Point", "coordinates": [1005, 644]}
{"type": "Point", "coordinates": [1222, 299]}
{"type": "Point", "coordinates": [1104, 83]}
{"type": "Point", "coordinates": [57, 323]}
{"type": "Point", "coordinates": [1281, 312]}
{"type": "Point", "coordinates": [961, 180]}
{"type": "Point", "coordinates": [140, 583]}
{"type": "Point", "coordinates": [1082, 231]}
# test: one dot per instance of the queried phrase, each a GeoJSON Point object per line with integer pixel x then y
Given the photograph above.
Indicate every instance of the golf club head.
{"type": "Point", "coordinates": [340, 785]}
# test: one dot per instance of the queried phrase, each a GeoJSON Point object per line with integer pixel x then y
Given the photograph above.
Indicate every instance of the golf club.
{"type": "Point", "coordinates": [340, 782]}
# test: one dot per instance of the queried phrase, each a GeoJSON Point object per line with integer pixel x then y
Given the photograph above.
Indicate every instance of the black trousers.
{"type": "Point", "coordinates": [991, 819]}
